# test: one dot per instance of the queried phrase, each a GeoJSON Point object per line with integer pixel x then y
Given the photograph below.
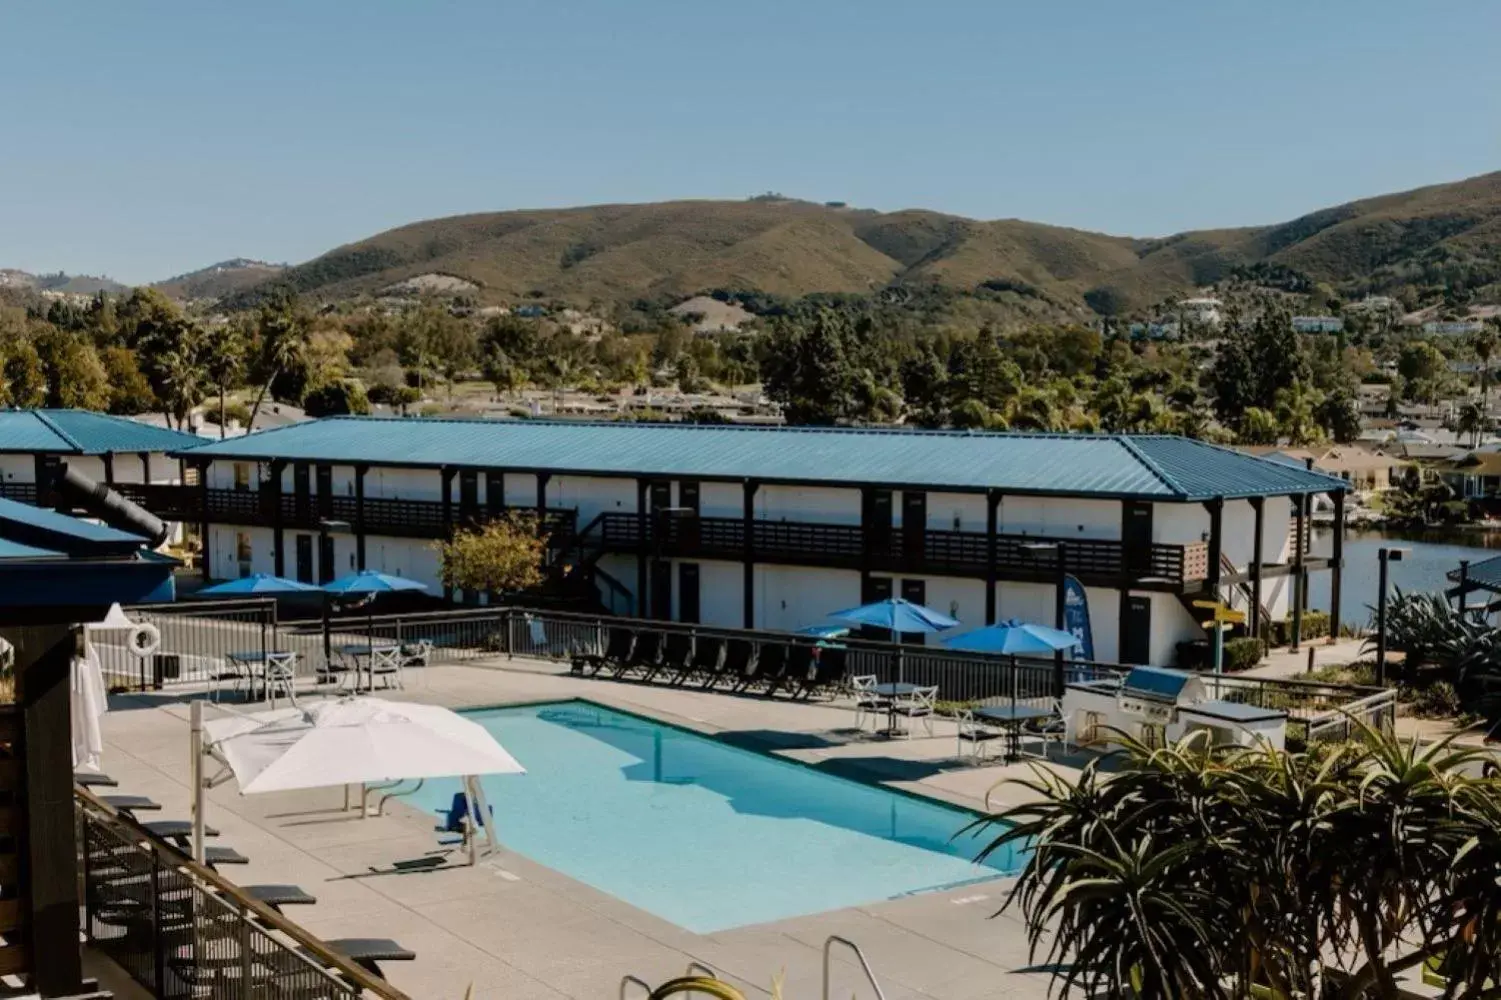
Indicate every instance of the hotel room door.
{"type": "Point", "coordinates": [914, 526]}
{"type": "Point", "coordinates": [1136, 630]}
{"type": "Point", "coordinates": [688, 603]}
{"type": "Point", "coordinates": [305, 558]}
{"type": "Point", "coordinates": [661, 589]}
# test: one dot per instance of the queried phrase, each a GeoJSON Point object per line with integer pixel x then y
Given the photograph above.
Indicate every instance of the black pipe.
{"type": "Point", "coordinates": [75, 489]}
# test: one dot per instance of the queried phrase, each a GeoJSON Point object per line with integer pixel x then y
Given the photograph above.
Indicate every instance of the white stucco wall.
{"type": "Point", "coordinates": [721, 499]}
{"type": "Point", "coordinates": [591, 495]}
{"type": "Point", "coordinates": [1059, 517]}
{"type": "Point", "coordinates": [790, 597]}
{"type": "Point", "coordinates": [815, 504]}
{"type": "Point", "coordinates": [955, 511]}
{"type": "Point", "coordinates": [721, 588]}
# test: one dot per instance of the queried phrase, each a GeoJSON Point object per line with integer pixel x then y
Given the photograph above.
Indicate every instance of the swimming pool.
{"type": "Point", "coordinates": [703, 834]}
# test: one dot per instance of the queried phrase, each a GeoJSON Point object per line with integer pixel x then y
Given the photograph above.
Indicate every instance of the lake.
{"type": "Point", "coordinates": [1432, 554]}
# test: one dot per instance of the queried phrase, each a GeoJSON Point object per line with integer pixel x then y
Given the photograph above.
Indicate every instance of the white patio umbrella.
{"type": "Point", "coordinates": [88, 697]}
{"type": "Point", "coordinates": [357, 741]}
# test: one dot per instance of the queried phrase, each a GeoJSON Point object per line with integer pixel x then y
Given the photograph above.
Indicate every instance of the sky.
{"type": "Point", "coordinates": [153, 137]}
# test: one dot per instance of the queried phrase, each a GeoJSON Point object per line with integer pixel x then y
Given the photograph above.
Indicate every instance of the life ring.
{"type": "Point", "coordinates": [144, 640]}
{"type": "Point", "coordinates": [697, 984]}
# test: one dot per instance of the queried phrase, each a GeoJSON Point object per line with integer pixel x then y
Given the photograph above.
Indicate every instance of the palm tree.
{"type": "Point", "coordinates": [1471, 421]}
{"type": "Point", "coordinates": [1484, 344]}
{"type": "Point", "coordinates": [1297, 407]}
{"type": "Point", "coordinates": [284, 333]}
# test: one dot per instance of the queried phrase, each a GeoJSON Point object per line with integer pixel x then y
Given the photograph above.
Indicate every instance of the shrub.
{"type": "Point", "coordinates": [1438, 700]}
{"type": "Point", "coordinates": [336, 399]}
{"type": "Point", "coordinates": [1242, 653]}
{"type": "Point", "coordinates": [1315, 626]}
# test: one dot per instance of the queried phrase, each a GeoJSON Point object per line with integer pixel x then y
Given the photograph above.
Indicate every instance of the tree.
{"type": "Point", "coordinates": [1471, 422]}
{"type": "Point", "coordinates": [1255, 361]}
{"type": "Point", "coordinates": [24, 375]}
{"type": "Point", "coordinates": [1198, 870]}
{"type": "Point", "coordinates": [129, 391]}
{"type": "Point", "coordinates": [75, 378]}
{"type": "Point", "coordinates": [1422, 367]}
{"type": "Point", "coordinates": [225, 365]}
{"type": "Point", "coordinates": [504, 555]}
{"type": "Point", "coordinates": [1258, 426]}
{"type": "Point", "coordinates": [1338, 414]}
{"type": "Point", "coordinates": [282, 332]}
{"type": "Point", "coordinates": [336, 399]}
{"type": "Point", "coordinates": [1297, 409]}
{"type": "Point", "coordinates": [808, 370]}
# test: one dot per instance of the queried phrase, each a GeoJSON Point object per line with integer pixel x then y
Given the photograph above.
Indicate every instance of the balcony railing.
{"type": "Point", "coordinates": [932, 551]}
{"type": "Point", "coordinates": [382, 516]}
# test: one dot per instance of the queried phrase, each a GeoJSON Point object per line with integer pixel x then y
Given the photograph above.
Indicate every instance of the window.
{"type": "Point", "coordinates": [242, 476]}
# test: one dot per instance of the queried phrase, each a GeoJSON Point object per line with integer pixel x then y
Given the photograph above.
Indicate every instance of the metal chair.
{"type": "Point", "coordinates": [920, 704]}
{"type": "Point", "coordinates": [867, 702]}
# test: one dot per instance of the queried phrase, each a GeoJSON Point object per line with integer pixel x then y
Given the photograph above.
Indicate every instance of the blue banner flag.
{"type": "Point", "coordinates": [1076, 616]}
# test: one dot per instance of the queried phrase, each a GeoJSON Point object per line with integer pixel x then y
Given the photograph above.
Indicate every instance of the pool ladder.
{"type": "Point", "coordinates": [704, 981]}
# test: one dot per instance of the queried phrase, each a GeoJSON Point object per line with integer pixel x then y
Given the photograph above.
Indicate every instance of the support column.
{"type": "Point", "coordinates": [109, 468]}
{"type": "Point", "coordinates": [203, 518]}
{"type": "Point", "coordinates": [447, 473]}
{"type": "Point", "coordinates": [278, 537]}
{"type": "Point", "coordinates": [992, 518]}
{"type": "Point", "coordinates": [145, 466]}
{"type": "Point", "coordinates": [1216, 508]}
{"type": "Point", "coordinates": [1127, 577]}
{"type": "Point", "coordinates": [46, 848]}
{"type": "Point", "coordinates": [359, 516]}
{"type": "Point", "coordinates": [1258, 508]}
{"type": "Point", "coordinates": [1337, 567]}
{"type": "Point", "coordinates": [641, 536]}
{"type": "Point", "coordinates": [748, 549]}
{"type": "Point", "coordinates": [543, 478]}
{"type": "Point", "coordinates": [1300, 505]}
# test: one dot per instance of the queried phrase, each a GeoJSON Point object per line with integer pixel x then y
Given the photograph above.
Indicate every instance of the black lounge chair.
{"type": "Point", "coordinates": [368, 952]}
{"type": "Point", "coordinates": [277, 896]}
{"type": "Point", "coordinates": [617, 650]}
{"type": "Point", "coordinates": [740, 660]}
{"type": "Point", "coordinates": [213, 857]}
{"type": "Point", "coordinates": [831, 670]}
{"type": "Point", "coordinates": [708, 659]}
{"type": "Point", "coordinates": [130, 804]}
{"type": "Point", "coordinates": [677, 657]}
{"type": "Point", "coordinates": [646, 655]}
{"type": "Point", "coordinates": [799, 671]}
{"type": "Point", "coordinates": [93, 779]}
{"type": "Point", "coordinates": [769, 669]}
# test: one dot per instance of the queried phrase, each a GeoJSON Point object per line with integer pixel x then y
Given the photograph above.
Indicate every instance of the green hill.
{"type": "Point", "coordinates": [219, 280]}
{"type": "Point", "coordinates": [1446, 234]}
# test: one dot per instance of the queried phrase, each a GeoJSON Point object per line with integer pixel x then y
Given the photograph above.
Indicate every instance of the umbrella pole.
{"type": "Point", "coordinates": [195, 770]}
{"type": "Point", "coordinates": [484, 811]}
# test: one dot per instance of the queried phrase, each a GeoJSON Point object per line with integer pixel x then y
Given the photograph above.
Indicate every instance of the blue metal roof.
{"type": "Point", "coordinates": [1147, 467]}
{"type": "Point", "coordinates": [81, 432]}
{"type": "Point", "coordinates": [36, 527]}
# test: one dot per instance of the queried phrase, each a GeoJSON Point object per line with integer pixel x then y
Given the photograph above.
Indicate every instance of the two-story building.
{"type": "Point", "coordinates": [137, 459]}
{"type": "Point", "coordinates": [776, 527]}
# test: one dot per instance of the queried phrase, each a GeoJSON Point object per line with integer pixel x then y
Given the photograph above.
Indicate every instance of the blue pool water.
{"type": "Point", "coordinates": [705, 835]}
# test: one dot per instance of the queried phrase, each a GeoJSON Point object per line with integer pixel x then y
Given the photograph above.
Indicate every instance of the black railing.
{"type": "Point", "coordinates": [182, 931]}
{"type": "Point", "coordinates": [897, 549]}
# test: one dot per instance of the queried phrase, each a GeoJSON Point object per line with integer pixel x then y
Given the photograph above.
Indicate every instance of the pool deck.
{"type": "Point", "coordinates": [518, 930]}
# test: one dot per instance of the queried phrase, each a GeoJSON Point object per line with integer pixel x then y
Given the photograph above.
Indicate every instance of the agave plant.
{"type": "Point", "coordinates": [1198, 871]}
{"type": "Point", "coordinates": [1428, 631]}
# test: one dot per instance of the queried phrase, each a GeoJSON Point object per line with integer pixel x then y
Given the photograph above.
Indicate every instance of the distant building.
{"type": "Point", "coordinates": [1364, 468]}
{"type": "Point", "coordinates": [1318, 324]}
{"type": "Point", "coordinates": [1374, 304]}
{"type": "Point", "coordinates": [1204, 311]}
{"type": "Point", "coordinates": [1453, 328]}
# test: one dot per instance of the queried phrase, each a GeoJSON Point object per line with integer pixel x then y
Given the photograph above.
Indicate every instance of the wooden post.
{"type": "Point", "coordinates": [542, 480]}
{"type": "Point", "coordinates": [48, 839]}
{"type": "Point", "coordinates": [278, 536]}
{"type": "Point", "coordinates": [145, 466]}
{"type": "Point", "coordinates": [992, 553]}
{"type": "Point", "coordinates": [1216, 509]}
{"type": "Point", "coordinates": [1258, 508]}
{"type": "Point", "coordinates": [109, 468]}
{"type": "Point", "coordinates": [1337, 567]}
{"type": "Point", "coordinates": [203, 518]}
{"type": "Point", "coordinates": [641, 536]}
{"type": "Point", "coordinates": [1299, 523]}
{"type": "Point", "coordinates": [359, 515]}
{"type": "Point", "coordinates": [748, 550]}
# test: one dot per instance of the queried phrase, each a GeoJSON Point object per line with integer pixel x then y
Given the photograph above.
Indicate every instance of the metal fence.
{"type": "Point", "coordinates": [196, 636]}
{"type": "Point", "coordinates": [183, 932]}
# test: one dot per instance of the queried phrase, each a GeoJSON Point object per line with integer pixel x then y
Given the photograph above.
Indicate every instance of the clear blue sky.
{"type": "Point", "coordinates": [146, 138]}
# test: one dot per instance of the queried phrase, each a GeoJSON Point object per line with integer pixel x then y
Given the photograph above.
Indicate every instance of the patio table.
{"type": "Point", "coordinates": [258, 663]}
{"type": "Point", "coordinates": [1010, 719]}
{"type": "Point", "coordinates": [376, 655]}
{"type": "Point", "coordinates": [891, 691]}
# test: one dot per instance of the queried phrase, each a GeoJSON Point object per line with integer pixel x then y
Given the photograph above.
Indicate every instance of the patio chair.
{"type": "Point", "coordinates": [416, 654]}
{"type": "Point", "coordinates": [799, 672]}
{"type": "Point", "coordinates": [645, 656]}
{"type": "Point", "coordinates": [770, 665]}
{"type": "Point", "coordinates": [829, 670]}
{"type": "Point", "coordinates": [233, 674]}
{"type": "Point", "coordinates": [920, 704]}
{"type": "Point", "coordinates": [740, 660]}
{"type": "Point", "coordinates": [677, 657]}
{"type": "Point", "coordinates": [708, 659]}
{"type": "Point", "coordinates": [867, 702]}
{"type": "Point", "coordinates": [618, 648]}
{"type": "Point", "coordinates": [282, 677]}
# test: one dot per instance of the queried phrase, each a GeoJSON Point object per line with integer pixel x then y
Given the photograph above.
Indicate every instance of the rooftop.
{"type": "Point", "coordinates": [1119, 466]}
{"type": "Point", "coordinates": [81, 432]}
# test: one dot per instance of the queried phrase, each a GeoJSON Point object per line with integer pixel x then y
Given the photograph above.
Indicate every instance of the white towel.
{"type": "Point", "coordinates": [89, 703]}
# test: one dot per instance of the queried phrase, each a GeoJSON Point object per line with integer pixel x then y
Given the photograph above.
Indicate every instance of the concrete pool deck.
{"type": "Point", "coordinates": [518, 930]}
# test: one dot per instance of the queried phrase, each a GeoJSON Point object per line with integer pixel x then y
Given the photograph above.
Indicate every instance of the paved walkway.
{"type": "Point", "coordinates": [518, 930]}
{"type": "Point", "coordinates": [1285, 663]}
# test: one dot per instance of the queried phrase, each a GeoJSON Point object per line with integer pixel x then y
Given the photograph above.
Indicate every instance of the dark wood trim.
{"type": "Point", "coordinates": [1300, 572]}
{"type": "Point", "coordinates": [993, 501]}
{"type": "Point", "coordinates": [1216, 509]}
{"type": "Point", "coordinates": [109, 468]}
{"type": "Point", "coordinates": [359, 516]}
{"type": "Point", "coordinates": [447, 473]}
{"type": "Point", "coordinates": [203, 523]}
{"type": "Point", "coordinates": [543, 478]}
{"type": "Point", "coordinates": [277, 469]}
{"type": "Point", "coordinates": [49, 864]}
{"type": "Point", "coordinates": [748, 541]}
{"type": "Point", "coordinates": [145, 466]}
{"type": "Point", "coordinates": [1337, 568]}
{"type": "Point", "coordinates": [643, 525]}
{"type": "Point", "coordinates": [1258, 509]}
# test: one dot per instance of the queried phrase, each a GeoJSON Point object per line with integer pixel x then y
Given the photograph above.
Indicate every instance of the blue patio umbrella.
{"type": "Point", "coordinates": [258, 584]}
{"type": "Point", "coordinates": [1014, 638]}
{"type": "Point", "coordinates": [896, 614]}
{"type": "Point", "coordinates": [367, 583]}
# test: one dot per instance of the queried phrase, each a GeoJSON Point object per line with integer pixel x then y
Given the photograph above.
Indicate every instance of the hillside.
{"type": "Point", "coordinates": [219, 280]}
{"type": "Point", "coordinates": [64, 284]}
{"type": "Point", "coordinates": [1445, 235]}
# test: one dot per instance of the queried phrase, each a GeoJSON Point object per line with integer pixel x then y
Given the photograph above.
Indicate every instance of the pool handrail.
{"type": "Point", "coordinates": [828, 965]}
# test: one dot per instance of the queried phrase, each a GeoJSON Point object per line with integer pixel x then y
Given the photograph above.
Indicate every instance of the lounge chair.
{"type": "Point", "coordinates": [368, 952]}
{"type": "Point", "coordinates": [677, 657]}
{"type": "Point", "coordinates": [799, 671]}
{"type": "Point", "coordinates": [771, 662]}
{"type": "Point", "coordinates": [618, 648]}
{"type": "Point", "coordinates": [829, 670]}
{"type": "Point", "coordinates": [645, 656]}
{"type": "Point", "coordinates": [740, 660]}
{"type": "Point", "coordinates": [277, 896]}
{"type": "Point", "coordinates": [708, 659]}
